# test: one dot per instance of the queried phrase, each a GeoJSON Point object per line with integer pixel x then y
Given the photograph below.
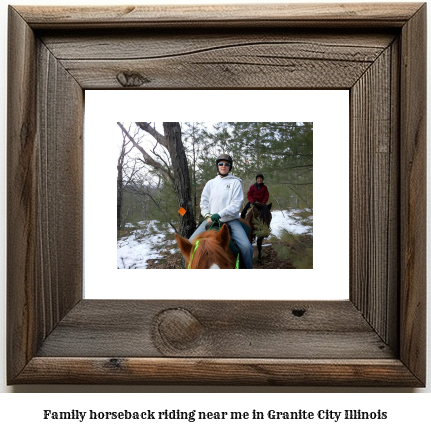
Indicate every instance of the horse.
{"type": "Point", "coordinates": [257, 215]}
{"type": "Point", "coordinates": [209, 250]}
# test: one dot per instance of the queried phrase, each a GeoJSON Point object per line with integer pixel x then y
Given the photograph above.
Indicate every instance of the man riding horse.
{"type": "Point", "coordinates": [221, 201]}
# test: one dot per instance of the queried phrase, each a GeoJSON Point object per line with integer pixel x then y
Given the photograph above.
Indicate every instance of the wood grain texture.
{"type": "Point", "coordinates": [197, 371]}
{"type": "Point", "coordinates": [223, 60]}
{"type": "Point", "coordinates": [59, 165]}
{"type": "Point", "coordinates": [21, 194]}
{"type": "Point", "coordinates": [374, 195]}
{"type": "Point", "coordinates": [240, 329]}
{"type": "Point", "coordinates": [413, 194]}
{"type": "Point", "coordinates": [376, 338]}
{"type": "Point", "coordinates": [300, 14]}
{"type": "Point", "coordinates": [145, 45]}
{"type": "Point", "coordinates": [44, 193]}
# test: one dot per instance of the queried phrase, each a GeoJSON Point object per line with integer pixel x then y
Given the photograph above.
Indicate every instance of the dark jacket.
{"type": "Point", "coordinates": [258, 193]}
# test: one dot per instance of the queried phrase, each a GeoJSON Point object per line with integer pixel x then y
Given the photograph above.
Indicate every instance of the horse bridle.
{"type": "Point", "coordinates": [194, 250]}
{"type": "Point", "coordinates": [193, 253]}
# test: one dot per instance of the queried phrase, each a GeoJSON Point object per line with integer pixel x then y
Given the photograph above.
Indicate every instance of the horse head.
{"type": "Point", "coordinates": [209, 250]}
{"type": "Point", "coordinates": [264, 212]}
{"type": "Point", "coordinates": [260, 212]}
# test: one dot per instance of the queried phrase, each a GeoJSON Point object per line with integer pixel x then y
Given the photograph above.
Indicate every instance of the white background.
{"type": "Point", "coordinates": [329, 112]}
{"type": "Point", "coordinates": [25, 410]}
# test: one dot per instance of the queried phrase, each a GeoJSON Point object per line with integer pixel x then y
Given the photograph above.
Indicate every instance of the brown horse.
{"type": "Point", "coordinates": [259, 218]}
{"type": "Point", "coordinates": [209, 250]}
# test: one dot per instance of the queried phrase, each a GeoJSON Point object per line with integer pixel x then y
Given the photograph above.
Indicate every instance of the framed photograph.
{"type": "Point", "coordinates": [376, 337]}
{"type": "Point", "coordinates": [146, 239]}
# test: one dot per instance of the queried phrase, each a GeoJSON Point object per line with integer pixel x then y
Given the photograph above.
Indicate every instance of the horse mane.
{"type": "Point", "coordinates": [210, 251]}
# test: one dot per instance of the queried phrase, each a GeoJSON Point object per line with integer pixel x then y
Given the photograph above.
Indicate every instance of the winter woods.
{"type": "Point", "coordinates": [163, 167]}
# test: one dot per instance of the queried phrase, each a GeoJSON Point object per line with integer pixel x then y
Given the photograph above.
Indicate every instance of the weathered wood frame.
{"type": "Point", "coordinates": [376, 338]}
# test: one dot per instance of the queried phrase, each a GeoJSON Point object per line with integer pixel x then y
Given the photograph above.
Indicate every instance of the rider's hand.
{"type": "Point", "coordinates": [209, 219]}
{"type": "Point", "coordinates": [215, 217]}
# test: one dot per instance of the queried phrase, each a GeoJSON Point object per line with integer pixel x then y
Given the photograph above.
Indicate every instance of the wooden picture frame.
{"type": "Point", "coordinates": [376, 338]}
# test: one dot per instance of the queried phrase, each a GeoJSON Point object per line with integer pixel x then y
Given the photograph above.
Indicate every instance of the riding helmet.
{"type": "Point", "coordinates": [225, 157]}
{"type": "Point", "coordinates": [260, 175]}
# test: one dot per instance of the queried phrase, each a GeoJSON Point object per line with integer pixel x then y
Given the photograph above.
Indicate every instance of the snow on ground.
{"type": "Point", "coordinates": [286, 220]}
{"type": "Point", "coordinates": [147, 240]}
{"type": "Point", "coordinates": [143, 244]}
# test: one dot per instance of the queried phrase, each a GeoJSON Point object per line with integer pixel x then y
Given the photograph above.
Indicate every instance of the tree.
{"type": "Point", "coordinates": [120, 164]}
{"type": "Point", "coordinates": [125, 175]}
{"type": "Point", "coordinates": [197, 144]}
{"type": "Point", "coordinates": [282, 151]}
{"type": "Point", "coordinates": [173, 166]}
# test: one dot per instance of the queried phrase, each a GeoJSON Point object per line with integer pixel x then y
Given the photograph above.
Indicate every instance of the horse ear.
{"type": "Point", "coordinates": [223, 237]}
{"type": "Point", "coordinates": [184, 245]}
{"type": "Point", "coordinates": [269, 206]}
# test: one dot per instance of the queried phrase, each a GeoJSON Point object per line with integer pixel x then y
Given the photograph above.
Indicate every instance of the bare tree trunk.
{"type": "Point", "coordinates": [120, 164]}
{"type": "Point", "coordinates": [180, 170]}
{"type": "Point", "coordinates": [119, 195]}
{"type": "Point", "coordinates": [120, 183]}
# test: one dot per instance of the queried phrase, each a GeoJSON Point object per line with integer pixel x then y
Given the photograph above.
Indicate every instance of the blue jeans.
{"type": "Point", "coordinates": [240, 237]}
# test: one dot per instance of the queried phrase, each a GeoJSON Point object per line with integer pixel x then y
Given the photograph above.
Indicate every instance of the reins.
{"type": "Point", "coordinates": [219, 225]}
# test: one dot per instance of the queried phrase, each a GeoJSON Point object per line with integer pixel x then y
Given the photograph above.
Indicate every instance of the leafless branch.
{"type": "Point", "coordinates": [158, 136]}
{"type": "Point", "coordinates": [147, 158]}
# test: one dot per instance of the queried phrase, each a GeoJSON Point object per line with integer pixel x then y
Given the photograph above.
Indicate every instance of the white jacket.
{"type": "Point", "coordinates": [222, 195]}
